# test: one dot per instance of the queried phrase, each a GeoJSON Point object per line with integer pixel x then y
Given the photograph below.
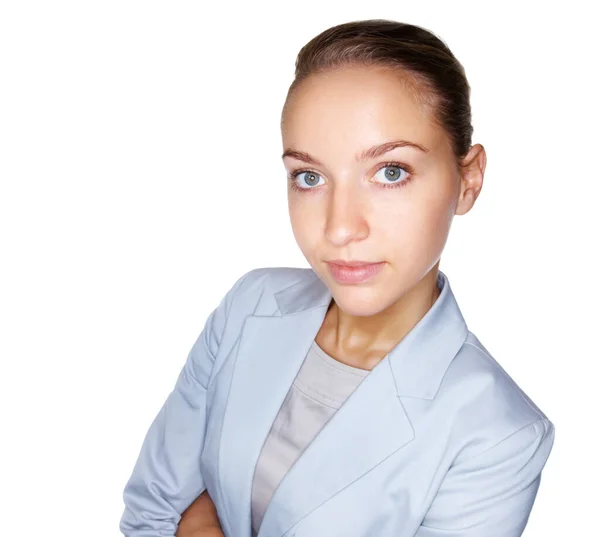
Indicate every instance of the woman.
{"type": "Point", "coordinates": [351, 400]}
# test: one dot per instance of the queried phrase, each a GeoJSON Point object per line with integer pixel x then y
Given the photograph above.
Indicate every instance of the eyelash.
{"type": "Point", "coordinates": [292, 176]}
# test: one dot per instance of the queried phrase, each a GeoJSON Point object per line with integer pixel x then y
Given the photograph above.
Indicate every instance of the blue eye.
{"type": "Point", "coordinates": [396, 174]}
{"type": "Point", "coordinates": [311, 178]}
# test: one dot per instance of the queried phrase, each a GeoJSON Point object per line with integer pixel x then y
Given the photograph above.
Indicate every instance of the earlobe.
{"type": "Point", "coordinates": [471, 181]}
{"type": "Point", "coordinates": [466, 199]}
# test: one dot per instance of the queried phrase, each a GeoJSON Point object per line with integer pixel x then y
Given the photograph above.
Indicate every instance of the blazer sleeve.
{"type": "Point", "coordinates": [492, 494]}
{"type": "Point", "coordinates": [166, 478]}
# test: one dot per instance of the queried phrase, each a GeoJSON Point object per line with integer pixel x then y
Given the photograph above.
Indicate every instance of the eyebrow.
{"type": "Point", "coordinates": [372, 152]}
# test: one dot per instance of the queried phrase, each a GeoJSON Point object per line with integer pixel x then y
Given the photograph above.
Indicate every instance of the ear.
{"type": "Point", "coordinates": [472, 170]}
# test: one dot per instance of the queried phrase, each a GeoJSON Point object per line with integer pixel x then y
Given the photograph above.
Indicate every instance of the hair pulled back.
{"type": "Point", "coordinates": [431, 72]}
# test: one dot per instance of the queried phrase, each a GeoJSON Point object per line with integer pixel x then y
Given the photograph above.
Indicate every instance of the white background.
{"type": "Point", "coordinates": [141, 176]}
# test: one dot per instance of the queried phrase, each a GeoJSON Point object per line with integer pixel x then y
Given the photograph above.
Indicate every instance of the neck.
{"type": "Point", "coordinates": [366, 340]}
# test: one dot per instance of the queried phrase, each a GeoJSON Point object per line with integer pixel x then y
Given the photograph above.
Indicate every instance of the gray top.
{"type": "Point", "coordinates": [319, 390]}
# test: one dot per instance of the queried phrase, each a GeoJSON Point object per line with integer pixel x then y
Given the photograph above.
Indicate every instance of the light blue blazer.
{"type": "Point", "coordinates": [437, 440]}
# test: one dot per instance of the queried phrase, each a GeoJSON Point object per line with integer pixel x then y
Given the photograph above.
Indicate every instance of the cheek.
{"type": "Point", "coordinates": [417, 229]}
{"type": "Point", "coordinates": [304, 222]}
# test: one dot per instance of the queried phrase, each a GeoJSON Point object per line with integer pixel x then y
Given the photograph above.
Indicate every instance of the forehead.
{"type": "Point", "coordinates": [356, 107]}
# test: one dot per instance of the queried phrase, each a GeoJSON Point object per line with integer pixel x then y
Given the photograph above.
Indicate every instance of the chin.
{"type": "Point", "coordinates": [359, 301]}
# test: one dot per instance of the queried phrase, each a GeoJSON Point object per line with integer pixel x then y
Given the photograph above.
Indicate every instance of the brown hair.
{"type": "Point", "coordinates": [428, 68]}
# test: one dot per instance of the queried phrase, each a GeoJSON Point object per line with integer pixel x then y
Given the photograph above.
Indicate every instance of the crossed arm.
{"type": "Point", "coordinates": [167, 476]}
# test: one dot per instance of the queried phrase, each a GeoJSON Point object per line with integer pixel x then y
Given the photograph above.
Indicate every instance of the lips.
{"type": "Point", "coordinates": [360, 273]}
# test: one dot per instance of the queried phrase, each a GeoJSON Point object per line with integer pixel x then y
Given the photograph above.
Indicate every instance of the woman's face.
{"type": "Point", "coordinates": [394, 206]}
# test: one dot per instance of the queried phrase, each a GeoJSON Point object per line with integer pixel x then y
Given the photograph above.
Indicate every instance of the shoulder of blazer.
{"type": "Point", "coordinates": [487, 404]}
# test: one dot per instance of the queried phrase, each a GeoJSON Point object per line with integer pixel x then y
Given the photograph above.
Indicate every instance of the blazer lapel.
{"type": "Point", "coordinates": [270, 353]}
{"type": "Point", "coordinates": [370, 426]}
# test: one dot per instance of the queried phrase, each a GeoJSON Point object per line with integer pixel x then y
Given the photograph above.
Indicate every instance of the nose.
{"type": "Point", "coordinates": [345, 216]}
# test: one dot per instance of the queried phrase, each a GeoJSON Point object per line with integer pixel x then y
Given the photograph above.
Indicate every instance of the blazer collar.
{"type": "Point", "coordinates": [421, 359]}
